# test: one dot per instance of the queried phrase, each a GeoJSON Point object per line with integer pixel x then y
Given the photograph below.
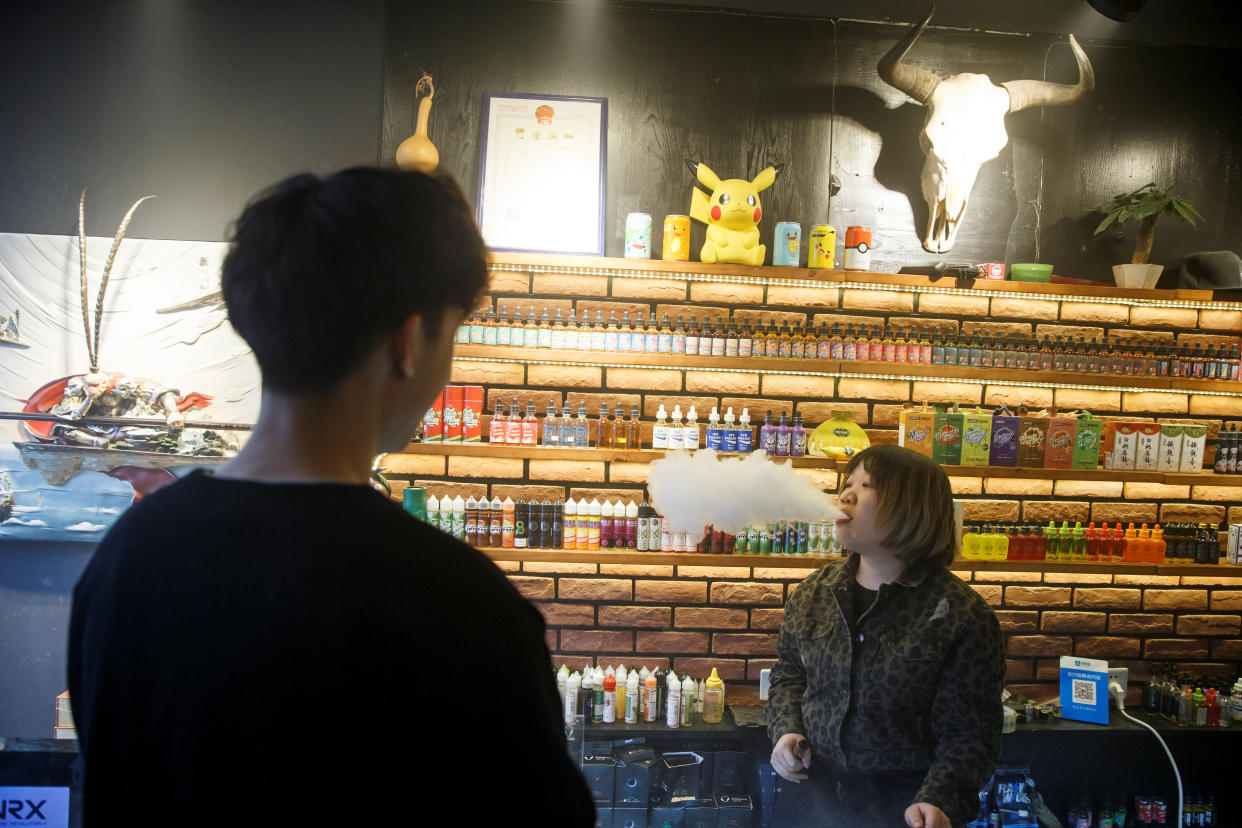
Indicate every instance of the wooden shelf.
{"type": "Point", "coordinates": [632, 556]}
{"type": "Point", "coordinates": [844, 278]}
{"type": "Point", "coordinates": [757, 364]}
{"type": "Point", "coordinates": [648, 455]}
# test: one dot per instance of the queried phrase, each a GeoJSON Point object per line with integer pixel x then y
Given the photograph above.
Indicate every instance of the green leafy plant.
{"type": "Point", "coordinates": [1145, 204]}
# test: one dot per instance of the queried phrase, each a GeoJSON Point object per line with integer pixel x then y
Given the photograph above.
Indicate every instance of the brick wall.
{"type": "Point", "coordinates": [698, 616]}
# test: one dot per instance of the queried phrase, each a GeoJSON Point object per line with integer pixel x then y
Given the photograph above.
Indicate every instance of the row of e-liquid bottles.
{"type": "Point", "coordinates": [1192, 704]}
{"type": "Point", "coordinates": [729, 434]}
{"type": "Point", "coordinates": [875, 343]}
{"type": "Point", "coordinates": [1174, 543]}
{"type": "Point", "coordinates": [608, 696]}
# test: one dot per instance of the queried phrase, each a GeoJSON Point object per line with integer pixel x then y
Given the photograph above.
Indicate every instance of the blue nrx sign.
{"type": "Point", "coordinates": [28, 807]}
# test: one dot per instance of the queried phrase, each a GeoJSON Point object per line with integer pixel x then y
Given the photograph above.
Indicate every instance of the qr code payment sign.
{"type": "Point", "coordinates": [1084, 691]}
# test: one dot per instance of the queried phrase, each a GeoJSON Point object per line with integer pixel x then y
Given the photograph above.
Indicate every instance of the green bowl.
{"type": "Point", "coordinates": [1030, 272]}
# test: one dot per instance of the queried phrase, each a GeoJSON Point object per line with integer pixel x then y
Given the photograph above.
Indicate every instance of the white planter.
{"type": "Point", "coordinates": [1136, 275]}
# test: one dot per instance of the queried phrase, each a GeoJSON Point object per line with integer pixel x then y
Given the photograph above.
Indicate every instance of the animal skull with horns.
{"type": "Point", "coordinates": [966, 126]}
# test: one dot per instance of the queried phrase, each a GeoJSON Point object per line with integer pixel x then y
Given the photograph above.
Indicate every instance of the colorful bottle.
{"type": "Point", "coordinates": [1158, 549]}
{"type": "Point", "coordinates": [690, 432]}
{"type": "Point", "coordinates": [713, 699]}
{"type": "Point", "coordinates": [1078, 547]}
{"type": "Point", "coordinates": [728, 434]}
{"type": "Point", "coordinates": [745, 438]}
{"type": "Point", "coordinates": [659, 434]}
{"type": "Point", "coordinates": [1130, 550]}
{"type": "Point", "coordinates": [651, 698]}
{"type": "Point", "coordinates": [594, 510]}
{"type": "Point", "coordinates": [767, 435]}
{"type": "Point", "coordinates": [797, 438]}
{"type": "Point", "coordinates": [606, 535]}
{"type": "Point", "coordinates": [610, 700]}
{"type": "Point", "coordinates": [715, 437]}
{"type": "Point", "coordinates": [631, 525]}
{"type": "Point", "coordinates": [672, 701]}
{"type": "Point", "coordinates": [631, 698]}
{"type": "Point", "coordinates": [569, 528]}
{"type": "Point", "coordinates": [782, 437]}
{"type": "Point", "coordinates": [497, 429]}
{"type": "Point", "coordinates": [1092, 539]}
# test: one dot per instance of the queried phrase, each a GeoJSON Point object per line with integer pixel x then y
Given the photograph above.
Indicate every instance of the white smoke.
{"type": "Point", "coordinates": [731, 493]}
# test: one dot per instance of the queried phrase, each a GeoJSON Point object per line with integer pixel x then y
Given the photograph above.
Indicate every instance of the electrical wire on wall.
{"type": "Point", "coordinates": [1119, 696]}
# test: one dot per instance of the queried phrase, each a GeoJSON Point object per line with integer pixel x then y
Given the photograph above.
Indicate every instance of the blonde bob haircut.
{"type": "Point", "coordinates": [914, 500]}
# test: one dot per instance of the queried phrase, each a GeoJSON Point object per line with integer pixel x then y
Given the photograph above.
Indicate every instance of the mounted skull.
{"type": "Point", "coordinates": [966, 126]}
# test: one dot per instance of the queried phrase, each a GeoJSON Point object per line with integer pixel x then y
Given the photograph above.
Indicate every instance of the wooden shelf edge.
{"type": "Point", "coordinates": [629, 556]}
{"type": "Point", "coordinates": [483, 449]}
{"type": "Point", "coordinates": [840, 277]}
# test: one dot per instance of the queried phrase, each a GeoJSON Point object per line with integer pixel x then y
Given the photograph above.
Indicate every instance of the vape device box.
{"type": "Point", "coordinates": [947, 438]}
{"type": "Point", "coordinates": [917, 431]}
{"type": "Point", "coordinates": [1004, 450]}
{"type": "Point", "coordinates": [1194, 439]}
{"type": "Point", "coordinates": [1171, 447]}
{"type": "Point", "coordinates": [734, 810]}
{"type": "Point", "coordinates": [631, 817]}
{"type": "Point", "coordinates": [634, 781]}
{"type": "Point", "coordinates": [1146, 446]}
{"type": "Point", "coordinates": [1032, 439]}
{"type": "Point", "coordinates": [1087, 443]}
{"type": "Point", "coordinates": [433, 421]}
{"type": "Point", "coordinates": [603, 817]}
{"type": "Point", "coordinates": [472, 413]}
{"type": "Point", "coordinates": [1059, 449]}
{"type": "Point", "coordinates": [702, 814]}
{"type": "Point", "coordinates": [1233, 550]}
{"type": "Point", "coordinates": [976, 438]}
{"type": "Point", "coordinates": [730, 772]}
{"type": "Point", "coordinates": [1126, 446]}
{"type": "Point", "coordinates": [454, 399]}
{"type": "Point", "coordinates": [600, 771]}
{"type": "Point", "coordinates": [667, 816]}
{"type": "Point", "coordinates": [682, 776]}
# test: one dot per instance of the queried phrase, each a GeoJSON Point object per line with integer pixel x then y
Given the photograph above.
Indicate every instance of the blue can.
{"type": "Point", "coordinates": [787, 245]}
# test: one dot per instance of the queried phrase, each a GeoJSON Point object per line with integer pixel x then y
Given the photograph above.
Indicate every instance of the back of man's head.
{"type": "Point", "coordinates": [321, 270]}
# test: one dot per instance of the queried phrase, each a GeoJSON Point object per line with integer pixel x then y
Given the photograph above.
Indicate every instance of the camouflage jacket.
{"type": "Point", "coordinates": [914, 685]}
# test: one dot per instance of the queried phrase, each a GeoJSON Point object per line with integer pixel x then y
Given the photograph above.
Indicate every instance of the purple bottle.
{"type": "Point", "coordinates": [783, 437]}
{"type": "Point", "coordinates": [797, 438]}
{"type": "Point", "coordinates": [767, 435]}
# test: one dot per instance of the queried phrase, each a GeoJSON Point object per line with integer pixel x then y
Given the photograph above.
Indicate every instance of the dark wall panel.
{"type": "Point", "coordinates": [200, 103]}
{"type": "Point", "coordinates": [740, 90]}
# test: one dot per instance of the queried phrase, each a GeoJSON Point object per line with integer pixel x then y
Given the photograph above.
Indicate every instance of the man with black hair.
{"type": "Point", "coordinates": [304, 652]}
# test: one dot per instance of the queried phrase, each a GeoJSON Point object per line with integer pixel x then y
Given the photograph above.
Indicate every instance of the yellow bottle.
{"type": "Point", "coordinates": [1158, 546]}
{"type": "Point", "coordinates": [713, 699]}
{"type": "Point", "coordinates": [970, 544]}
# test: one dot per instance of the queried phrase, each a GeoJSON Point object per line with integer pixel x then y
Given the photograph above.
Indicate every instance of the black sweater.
{"type": "Point", "coordinates": [253, 653]}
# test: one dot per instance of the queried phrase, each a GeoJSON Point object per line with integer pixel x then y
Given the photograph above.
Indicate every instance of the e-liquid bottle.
{"type": "Point", "coordinates": [530, 425]}
{"type": "Point", "coordinates": [690, 432]}
{"type": "Point", "coordinates": [644, 521]}
{"type": "Point", "coordinates": [728, 435]}
{"type": "Point", "coordinates": [497, 428]}
{"type": "Point", "coordinates": [610, 700]}
{"type": "Point", "coordinates": [581, 429]}
{"type": "Point", "coordinates": [672, 701]}
{"type": "Point", "coordinates": [767, 435]}
{"type": "Point", "coordinates": [606, 525]}
{"type": "Point", "coordinates": [558, 525]}
{"type": "Point", "coordinates": [551, 428]}
{"type": "Point", "coordinates": [569, 529]}
{"type": "Point", "coordinates": [631, 525]}
{"type": "Point", "coordinates": [659, 434]}
{"type": "Point", "coordinates": [495, 526]}
{"type": "Point", "coordinates": [745, 439]}
{"type": "Point", "coordinates": [631, 698]}
{"type": "Point", "coordinates": [797, 438]}
{"type": "Point", "coordinates": [676, 434]}
{"type": "Point", "coordinates": [714, 435]}
{"type": "Point", "coordinates": [521, 514]}
{"type": "Point", "coordinates": [783, 437]}
{"type": "Point", "coordinates": [566, 426]}
{"type": "Point", "coordinates": [472, 521]}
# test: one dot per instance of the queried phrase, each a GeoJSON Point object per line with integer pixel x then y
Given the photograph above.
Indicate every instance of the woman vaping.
{"type": "Point", "coordinates": [885, 699]}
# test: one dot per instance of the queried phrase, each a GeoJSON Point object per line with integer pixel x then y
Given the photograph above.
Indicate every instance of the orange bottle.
{"type": "Point", "coordinates": [1130, 547]}
{"type": "Point", "coordinates": [1144, 543]}
{"type": "Point", "coordinates": [1158, 547]}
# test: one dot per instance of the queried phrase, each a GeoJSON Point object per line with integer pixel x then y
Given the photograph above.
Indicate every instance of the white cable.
{"type": "Point", "coordinates": [1119, 696]}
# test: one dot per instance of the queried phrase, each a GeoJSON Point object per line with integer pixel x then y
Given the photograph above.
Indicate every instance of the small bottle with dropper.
{"type": "Point", "coordinates": [728, 435]}
{"type": "Point", "coordinates": [659, 434]}
{"type": "Point", "coordinates": [690, 433]}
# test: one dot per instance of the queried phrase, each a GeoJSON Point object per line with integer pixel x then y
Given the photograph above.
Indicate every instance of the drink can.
{"type": "Point", "coordinates": [821, 250]}
{"type": "Point", "coordinates": [858, 248]}
{"type": "Point", "coordinates": [787, 244]}
{"type": "Point", "coordinates": [676, 238]}
{"type": "Point", "coordinates": [414, 499]}
{"type": "Point", "coordinates": [638, 236]}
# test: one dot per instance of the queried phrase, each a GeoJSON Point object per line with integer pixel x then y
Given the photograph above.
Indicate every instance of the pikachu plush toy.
{"type": "Point", "coordinates": [731, 213]}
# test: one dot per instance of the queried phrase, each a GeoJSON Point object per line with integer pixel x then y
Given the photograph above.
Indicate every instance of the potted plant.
{"type": "Point", "coordinates": [1145, 204]}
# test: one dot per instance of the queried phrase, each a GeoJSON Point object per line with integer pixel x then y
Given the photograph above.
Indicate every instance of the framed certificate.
{"type": "Point", "coordinates": [542, 167]}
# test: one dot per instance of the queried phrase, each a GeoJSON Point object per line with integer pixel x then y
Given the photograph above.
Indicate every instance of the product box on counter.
{"type": "Point", "coordinates": [1170, 447]}
{"type": "Point", "coordinates": [1004, 451]}
{"type": "Point", "coordinates": [454, 399]}
{"type": "Point", "coordinates": [976, 438]}
{"type": "Point", "coordinates": [1032, 439]}
{"type": "Point", "coordinates": [1059, 448]}
{"type": "Point", "coordinates": [433, 421]}
{"type": "Point", "coordinates": [1146, 446]}
{"type": "Point", "coordinates": [472, 413]}
{"type": "Point", "coordinates": [916, 431]}
{"type": "Point", "coordinates": [947, 438]}
{"type": "Point", "coordinates": [1194, 440]}
{"type": "Point", "coordinates": [1233, 548]}
{"type": "Point", "coordinates": [1087, 442]}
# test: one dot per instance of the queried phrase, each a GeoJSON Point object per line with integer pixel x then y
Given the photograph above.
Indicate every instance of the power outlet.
{"type": "Point", "coordinates": [1121, 675]}
{"type": "Point", "coordinates": [765, 678]}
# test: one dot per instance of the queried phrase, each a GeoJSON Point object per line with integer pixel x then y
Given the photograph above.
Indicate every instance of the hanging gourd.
{"type": "Point", "coordinates": [417, 152]}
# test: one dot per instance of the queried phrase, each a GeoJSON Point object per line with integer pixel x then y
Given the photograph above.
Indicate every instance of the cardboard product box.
{"type": "Point", "coordinates": [454, 399]}
{"type": "Point", "coordinates": [1087, 433]}
{"type": "Point", "coordinates": [1032, 441]}
{"type": "Point", "coordinates": [1171, 447]}
{"type": "Point", "coordinates": [917, 431]}
{"type": "Point", "coordinates": [433, 421]}
{"type": "Point", "coordinates": [1194, 440]}
{"type": "Point", "coordinates": [1233, 548]}
{"type": "Point", "coordinates": [702, 814]}
{"type": "Point", "coordinates": [1059, 448]}
{"type": "Point", "coordinates": [734, 810]}
{"type": "Point", "coordinates": [1124, 445]}
{"type": "Point", "coordinates": [976, 438]}
{"type": "Point", "coordinates": [1146, 446]}
{"type": "Point", "coordinates": [472, 413]}
{"type": "Point", "coordinates": [947, 438]}
{"type": "Point", "coordinates": [64, 710]}
{"type": "Point", "coordinates": [629, 817]}
{"type": "Point", "coordinates": [1004, 451]}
